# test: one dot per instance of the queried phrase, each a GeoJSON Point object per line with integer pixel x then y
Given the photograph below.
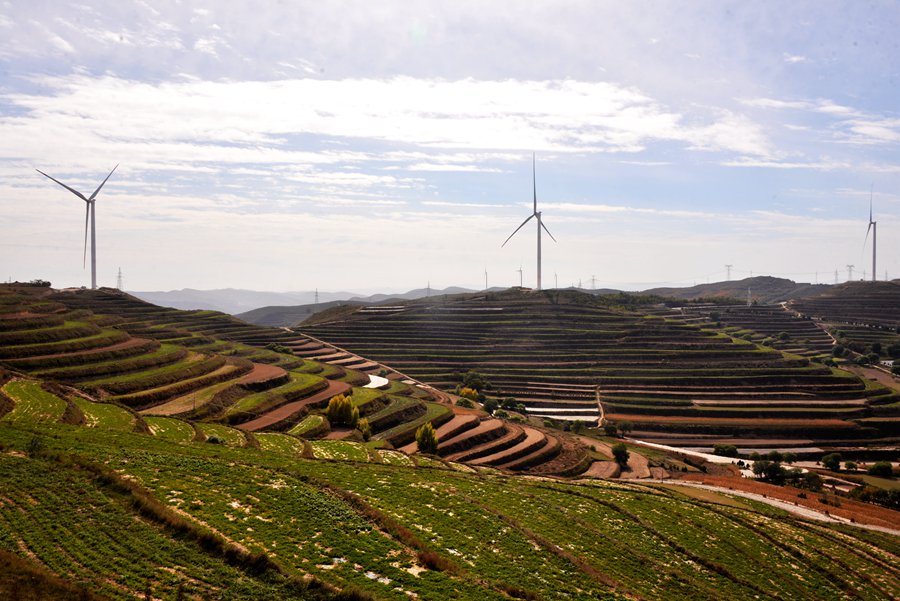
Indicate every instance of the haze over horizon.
{"type": "Point", "coordinates": [347, 146]}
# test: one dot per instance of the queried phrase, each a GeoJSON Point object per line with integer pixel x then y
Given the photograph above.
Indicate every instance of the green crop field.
{"type": "Point", "coordinates": [105, 415]}
{"type": "Point", "coordinates": [170, 428]}
{"type": "Point", "coordinates": [32, 403]}
{"type": "Point", "coordinates": [393, 530]}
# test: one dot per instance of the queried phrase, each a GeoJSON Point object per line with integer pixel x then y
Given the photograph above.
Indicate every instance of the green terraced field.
{"type": "Point", "coordinates": [105, 415]}
{"type": "Point", "coordinates": [339, 450]}
{"type": "Point", "coordinates": [32, 403]}
{"type": "Point", "coordinates": [171, 429]}
{"type": "Point", "coordinates": [382, 528]}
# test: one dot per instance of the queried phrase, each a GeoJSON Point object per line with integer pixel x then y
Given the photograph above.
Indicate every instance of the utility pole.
{"type": "Point", "coordinates": [119, 280]}
{"type": "Point", "coordinates": [728, 272]}
{"type": "Point", "coordinates": [849, 273]}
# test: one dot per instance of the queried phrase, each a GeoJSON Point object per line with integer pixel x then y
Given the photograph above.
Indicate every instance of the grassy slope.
{"type": "Point", "coordinates": [373, 526]}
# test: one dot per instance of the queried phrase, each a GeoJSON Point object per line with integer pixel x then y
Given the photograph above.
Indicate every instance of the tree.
{"type": "Point", "coordinates": [882, 469]}
{"type": "Point", "coordinates": [725, 450]}
{"type": "Point", "coordinates": [850, 466]}
{"type": "Point", "coordinates": [620, 454]}
{"type": "Point", "coordinates": [832, 461]}
{"type": "Point", "coordinates": [610, 429]}
{"type": "Point", "coordinates": [625, 428]}
{"type": "Point", "coordinates": [838, 350]}
{"type": "Point", "coordinates": [770, 471]}
{"type": "Point", "coordinates": [426, 439]}
{"type": "Point", "coordinates": [491, 405]}
{"type": "Point", "coordinates": [341, 412]}
{"type": "Point", "coordinates": [364, 428]}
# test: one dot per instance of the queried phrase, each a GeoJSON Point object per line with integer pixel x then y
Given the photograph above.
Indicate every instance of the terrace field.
{"type": "Point", "coordinates": [152, 515]}
{"type": "Point", "coordinates": [673, 374]}
{"type": "Point", "coordinates": [209, 368]}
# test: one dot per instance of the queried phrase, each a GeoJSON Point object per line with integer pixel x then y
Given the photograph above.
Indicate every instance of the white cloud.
{"type": "Point", "coordinates": [794, 58]}
{"type": "Point", "coordinates": [514, 115]}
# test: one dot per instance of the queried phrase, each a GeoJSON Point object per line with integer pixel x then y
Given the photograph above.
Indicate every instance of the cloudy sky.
{"type": "Point", "coordinates": [380, 146]}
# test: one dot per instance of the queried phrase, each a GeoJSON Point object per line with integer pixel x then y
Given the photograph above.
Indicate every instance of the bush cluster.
{"type": "Point", "coordinates": [341, 412]}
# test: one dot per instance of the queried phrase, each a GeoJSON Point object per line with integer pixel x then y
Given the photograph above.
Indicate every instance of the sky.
{"type": "Point", "coordinates": [384, 146]}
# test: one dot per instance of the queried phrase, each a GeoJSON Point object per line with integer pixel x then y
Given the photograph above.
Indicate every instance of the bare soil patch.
{"type": "Point", "coordinates": [863, 513]}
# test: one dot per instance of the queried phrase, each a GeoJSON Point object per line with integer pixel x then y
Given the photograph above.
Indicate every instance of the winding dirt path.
{"type": "Point", "coordinates": [285, 411]}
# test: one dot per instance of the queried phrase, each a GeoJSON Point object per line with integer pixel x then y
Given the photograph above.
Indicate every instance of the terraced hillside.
{"type": "Point", "coordinates": [772, 325]}
{"type": "Point", "coordinates": [559, 352]}
{"type": "Point", "coordinates": [190, 365]}
{"type": "Point", "coordinates": [106, 513]}
{"type": "Point", "coordinates": [876, 304]}
{"type": "Point", "coordinates": [859, 314]}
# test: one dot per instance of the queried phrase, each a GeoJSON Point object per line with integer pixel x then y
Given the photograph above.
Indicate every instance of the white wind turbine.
{"type": "Point", "coordinates": [90, 213]}
{"type": "Point", "coordinates": [873, 227]}
{"type": "Point", "coordinates": [540, 224]}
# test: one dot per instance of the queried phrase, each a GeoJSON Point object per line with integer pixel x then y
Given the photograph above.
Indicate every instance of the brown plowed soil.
{"type": "Point", "coordinates": [532, 439]}
{"type": "Point", "coordinates": [514, 434]}
{"type": "Point", "coordinates": [864, 513]}
{"type": "Point", "coordinates": [481, 429]}
{"type": "Point", "coordinates": [677, 419]}
{"type": "Point", "coordinates": [638, 466]}
{"type": "Point", "coordinates": [262, 372]}
{"type": "Point", "coordinates": [542, 454]}
{"type": "Point", "coordinates": [457, 424]}
{"type": "Point", "coordinates": [287, 410]}
{"type": "Point", "coordinates": [603, 469]}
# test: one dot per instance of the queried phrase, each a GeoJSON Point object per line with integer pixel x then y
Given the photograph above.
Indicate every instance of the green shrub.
{"type": "Point", "coordinates": [426, 439]}
{"type": "Point", "coordinates": [832, 461]}
{"type": "Point", "coordinates": [881, 469]}
{"type": "Point", "coordinates": [465, 403]}
{"type": "Point", "coordinates": [725, 450]}
{"type": "Point", "coordinates": [364, 428]}
{"type": "Point", "coordinates": [620, 454]}
{"type": "Point", "coordinates": [341, 412]}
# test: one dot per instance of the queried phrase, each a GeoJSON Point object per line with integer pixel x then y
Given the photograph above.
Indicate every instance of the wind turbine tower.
{"type": "Point", "coordinates": [849, 273]}
{"type": "Point", "coordinates": [540, 224]}
{"type": "Point", "coordinates": [873, 226]}
{"type": "Point", "coordinates": [119, 280]}
{"type": "Point", "coordinates": [520, 275]}
{"type": "Point", "coordinates": [90, 214]}
{"type": "Point", "coordinates": [728, 271]}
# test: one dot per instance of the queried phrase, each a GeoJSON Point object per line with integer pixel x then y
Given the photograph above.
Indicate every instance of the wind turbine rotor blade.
{"type": "Point", "coordinates": [87, 214]}
{"type": "Point", "coordinates": [534, 181]}
{"type": "Point", "coordinates": [72, 190]}
{"type": "Point", "coordinates": [548, 231]}
{"type": "Point", "coordinates": [530, 217]}
{"type": "Point", "coordinates": [101, 185]}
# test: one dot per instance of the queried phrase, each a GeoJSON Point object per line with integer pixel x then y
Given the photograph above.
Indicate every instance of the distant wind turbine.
{"type": "Point", "coordinates": [540, 224]}
{"type": "Point", "coordinates": [873, 227]}
{"type": "Point", "coordinates": [90, 214]}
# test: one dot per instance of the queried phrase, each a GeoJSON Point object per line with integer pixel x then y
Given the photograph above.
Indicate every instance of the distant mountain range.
{"type": "Point", "coordinates": [763, 289]}
{"type": "Point", "coordinates": [289, 308]}
{"type": "Point", "coordinates": [237, 301]}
